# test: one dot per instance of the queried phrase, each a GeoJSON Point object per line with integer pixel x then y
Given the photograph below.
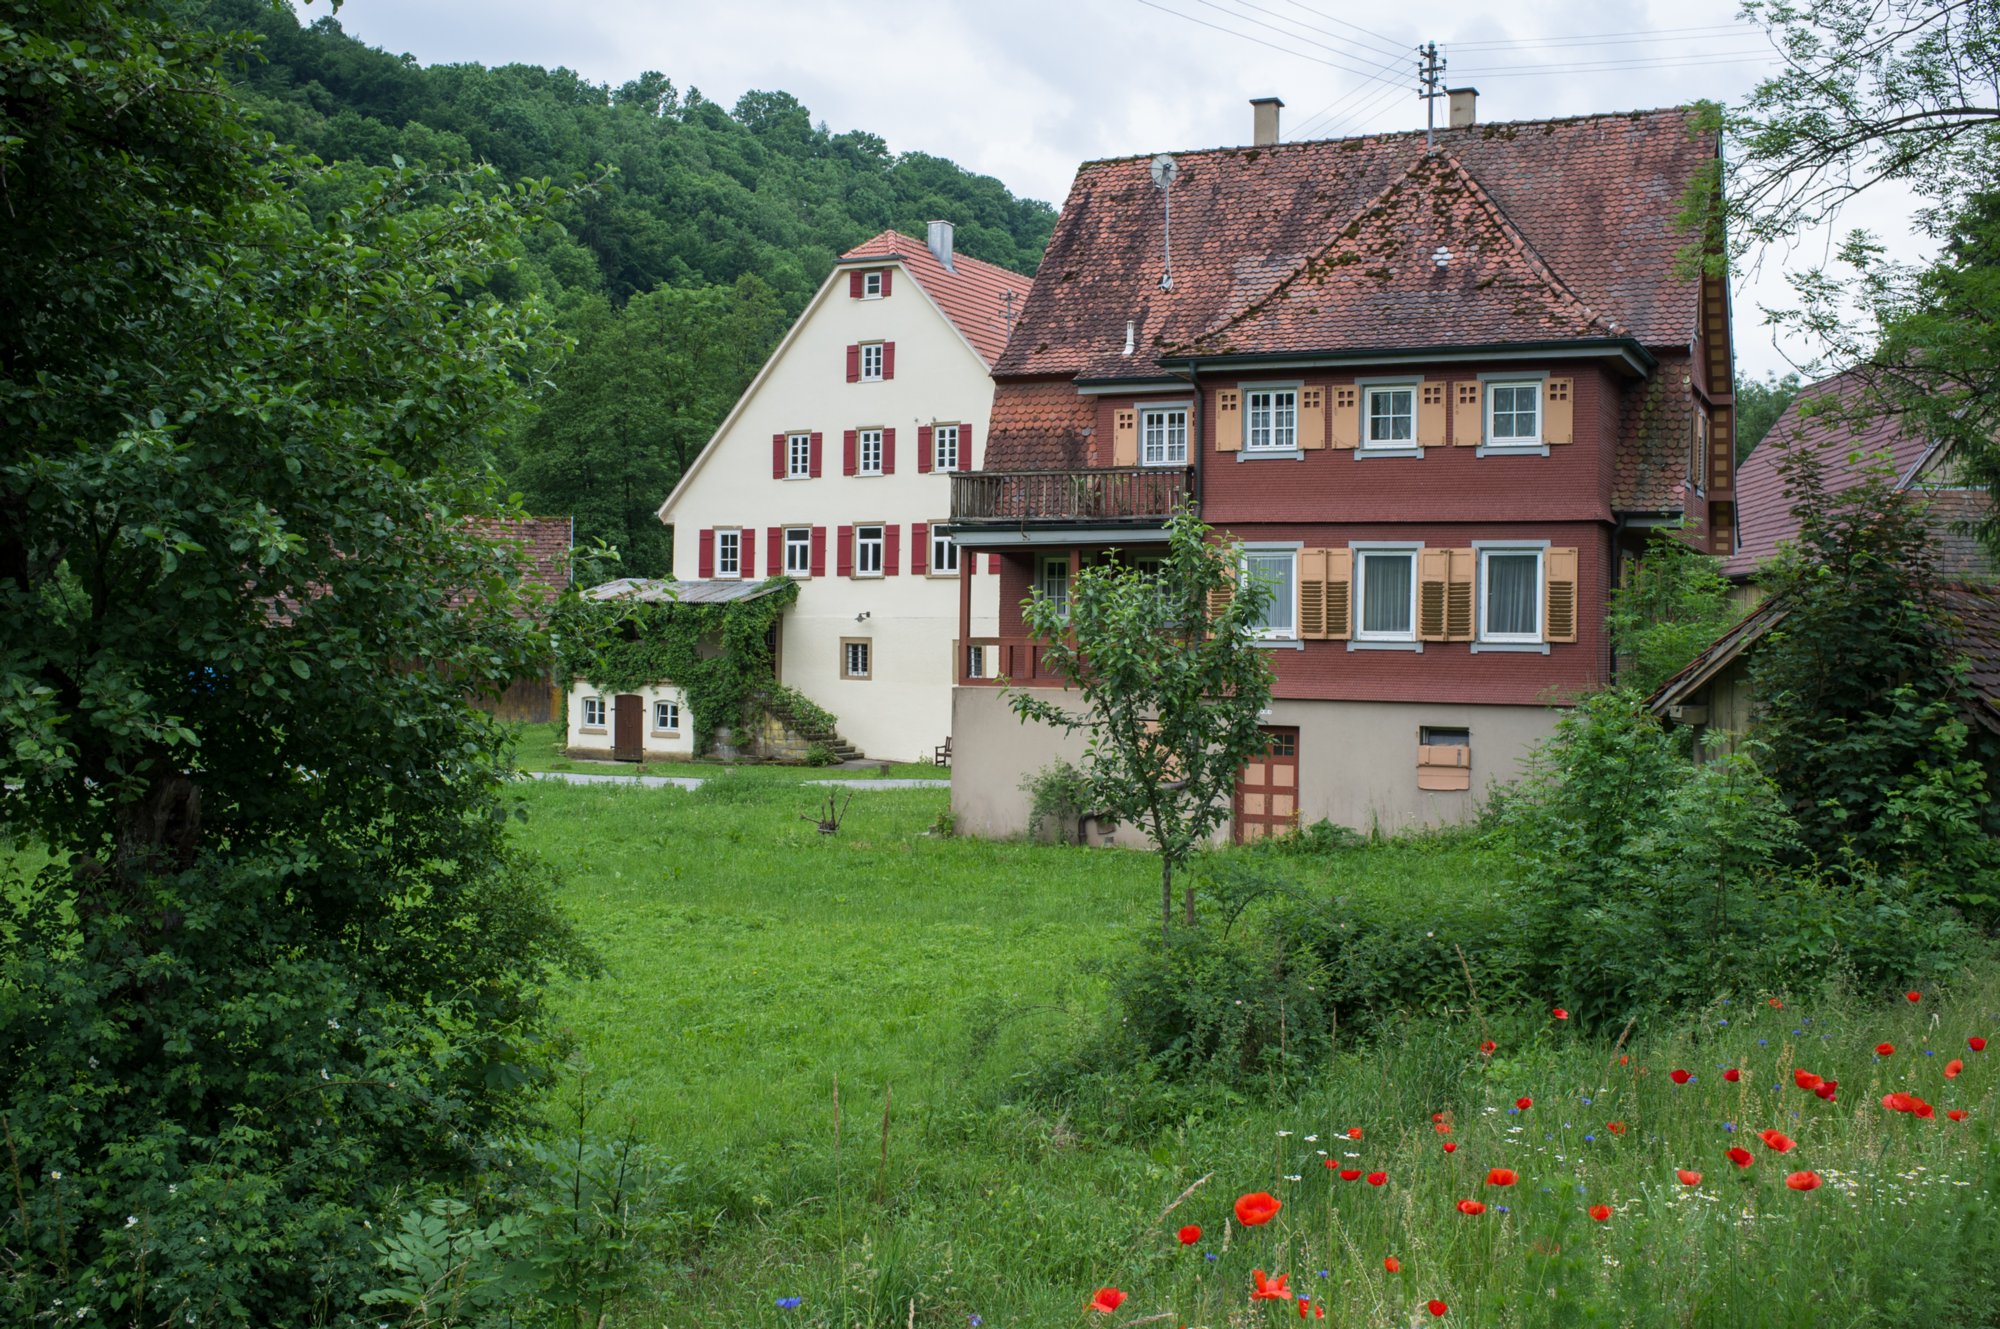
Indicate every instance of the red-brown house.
{"type": "Point", "coordinates": [1438, 393]}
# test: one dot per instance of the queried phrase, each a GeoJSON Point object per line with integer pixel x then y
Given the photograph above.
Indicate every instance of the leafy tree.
{"type": "Point", "coordinates": [283, 963]}
{"type": "Point", "coordinates": [1172, 685]}
{"type": "Point", "coordinates": [1675, 603]}
{"type": "Point", "coordinates": [1759, 403]}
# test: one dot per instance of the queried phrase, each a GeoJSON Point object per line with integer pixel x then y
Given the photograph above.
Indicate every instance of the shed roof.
{"type": "Point", "coordinates": [651, 590]}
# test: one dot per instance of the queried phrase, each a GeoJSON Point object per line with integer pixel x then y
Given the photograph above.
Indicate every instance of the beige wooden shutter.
{"type": "Point", "coordinates": [1433, 580]}
{"type": "Point", "coordinates": [1431, 413]}
{"type": "Point", "coordinates": [1125, 437]}
{"type": "Point", "coordinates": [1339, 594]}
{"type": "Point", "coordinates": [1558, 411]}
{"type": "Point", "coordinates": [1312, 594]}
{"type": "Point", "coordinates": [1467, 429]}
{"type": "Point", "coordinates": [1346, 425]}
{"type": "Point", "coordinates": [1229, 420]}
{"type": "Point", "coordinates": [1312, 417]}
{"type": "Point", "coordinates": [1458, 624]}
{"type": "Point", "coordinates": [1559, 595]}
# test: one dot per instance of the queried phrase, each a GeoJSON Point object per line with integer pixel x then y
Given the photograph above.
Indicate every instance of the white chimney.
{"type": "Point", "coordinates": [940, 242]}
{"type": "Point", "coordinates": [1264, 121]}
{"type": "Point", "coordinates": [1464, 104]}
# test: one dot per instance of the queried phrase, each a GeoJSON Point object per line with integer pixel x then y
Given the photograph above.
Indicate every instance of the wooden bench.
{"type": "Point", "coordinates": [941, 756]}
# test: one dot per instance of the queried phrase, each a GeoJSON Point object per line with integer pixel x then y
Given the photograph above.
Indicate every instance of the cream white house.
{"type": "Point", "coordinates": [834, 469]}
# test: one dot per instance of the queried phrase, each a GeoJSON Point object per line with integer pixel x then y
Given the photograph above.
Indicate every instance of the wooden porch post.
{"type": "Point", "coordinates": [968, 563]}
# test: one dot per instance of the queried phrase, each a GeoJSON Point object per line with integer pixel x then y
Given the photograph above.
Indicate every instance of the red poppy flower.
{"type": "Point", "coordinates": [1898, 1101]}
{"type": "Point", "coordinates": [1436, 1307]}
{"type": "Point", "coordinates": [1560, 1013]}
{"type": "Point", "coordinates": [1914, 996]}
{"type": "Point", "coordinates": [1600, 1212]}
{"type": "Point", "coordinates": [1924, 1110]}
{"type": "Point", "coordinates": [1320, 1311]}
{"type": "Point", "coordinates": [1392, 1264]}
{"type": "Point", "coordinates": [1777, 1005]}
{"type": "Point", "coordinates": [1257, 1208]}
{"type": "Point", "coordinates": [1741, 1157]}
{"type": "Point", "coordinates": [1806, 1080]}
{"type": "Point", "coordinates": [1688, 1176]}
{"type": "Point", "coordinates": [1350, 1174]}
{"type": "Point", "coordinates": [1524, 1103]}
{"type": "Point", "coordinates": [1450, 1147]}
{"type": "Point", "coordinates": [1679, 1076]}
{"type": "Point", "coordinates": [1885, 1049]}
{"type": "Point", "coordinates": [1353, 1132]}
{"type": "Point", "coordinates": [1615, 1127]}
{"type": "Point", "coordinates": [1437, 1116]}
{"type": "Point", "coordinates": [1624, 1057]}
{"type": "Point", "coordinates": [1976, 1043]}
{"type": "Point", "coordinates": [1956, 1114]}
{"type": "Point", "coordinates": [1826, 1089]}
{"type": "Point", "coordinates": [1378, 1178]}
{"type": "Point", "coordinates": [1332, 1163]}
{"type": "Point", "coordinates": [1777, 1141]}
{"type": "Point", "coordinates": [1302, 1307]}
{"type": "Point", "coordinates": [1189, 1235]}
{"type": "Point", "coordinates": [1732, 1075]}
{"type": "Point", "coordinates": [1952, 1068]}
{"type": "Point", "coordinates": [1803, 1181]}
{"type": "Point", "coordinates": [1107, 1300]}
{"type": "Point", "coordinates": [1472, 1207]}
{"type": "Point", "coordinates": [1487, 1048]}
{"type": "Point", "coordinates": [1500, 1176]}
{"type": "Point", "coordinates": [1442, 1127]}
{"type": "Point", "coordinates": [1270, 1289]}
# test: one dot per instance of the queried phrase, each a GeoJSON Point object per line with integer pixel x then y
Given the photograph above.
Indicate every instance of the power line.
{"type": "Point", "coordinates": [1653, 34]}
{"type": "Point", "coordinates": [1338, 105]}
{"type": "Point", "coordinates": [1341, 22]}
{"type": "Point", "coordinates": [1233, 32]}
{"type": "Point", "coordinates": [1613, 66]}
{"type": "Point", "coordinates": [1280, 31]}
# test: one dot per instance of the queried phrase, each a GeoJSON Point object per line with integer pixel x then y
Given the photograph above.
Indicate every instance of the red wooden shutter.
{"type": "Point", "coordinates": [777, 456]}
{"type": "Point", "coordinates": [746, 544]}
{"type": "Point", "coordinates": [888, 452]}
{"type": "Point", "coordinates": [705, 557]}
{"type": "Point", "coordinates": [885, 283]}
{"type": "Point", "coordinates": [774, 551]}
{"type": "Point", "coordinates": [992, 563]}
{"type": "Point", "coordinates": [923, 447]}
{"type": "Point", "coordinates": [920, 548]}
{"type": "Point", "coordinates": [843, 553]}
{"type": "Point", "coordinates": [888, 360]}
{"type": "Point", "coordinates": [854, 287]}
{"type": "Point", "coordinates": [854, 363]}
{"type": "Point", "coordinates": [848, 439]}
{"type": "Point", "coordinates": [891, 538]}
{"type": "Point", "coordinates": [813, 468]}
{"type": "Point", "coordinates": [965, 447]}
{"type": "Point", "coordinates": [818, 564]}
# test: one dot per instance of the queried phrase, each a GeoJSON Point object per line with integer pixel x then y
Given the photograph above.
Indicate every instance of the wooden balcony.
{"type": "Point", "coordinates": [1110, 496]}
{"type": "Point", "coordinates": [1016, 661]}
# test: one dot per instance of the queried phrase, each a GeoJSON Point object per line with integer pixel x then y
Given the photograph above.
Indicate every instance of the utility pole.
{"type": "Point", "coordinates": [1430, 74]}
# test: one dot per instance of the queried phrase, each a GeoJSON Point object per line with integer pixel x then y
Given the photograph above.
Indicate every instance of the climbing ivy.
{"type": "Point", "coordinates": [625, 645]}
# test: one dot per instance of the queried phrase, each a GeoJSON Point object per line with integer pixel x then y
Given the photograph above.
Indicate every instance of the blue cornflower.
{"type": "Point", "coordinates": [1210, 1257]}
{"type": "Point", "coordinates": [1323, 1273]}
{"type": "Point", "coordinates": [789, 1303]}
{"type": "Point", "coordinates": [1763, 1042]}
{"type": "Point", "coordinates": [1590, 1139]}
{"type": "Point", "coordinates": [976, 1321]}
{"type": "Point", "coordinates": [1728, 1125]}
{"type": "Point", "coordinates": [1586, 1102]}
{"type": "Point", "coordinates": [1930, 1052]}
{"type": "Point", "coordinates": [1722, 1022]}
{"type": "Point", "coordinates": [1513, 1112]}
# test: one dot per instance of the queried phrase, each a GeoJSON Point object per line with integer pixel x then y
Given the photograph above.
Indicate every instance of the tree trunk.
{"type": "Point", "coordinates": [1166, 901]}
{"type": "Point", "coordinates": [1187, 901]}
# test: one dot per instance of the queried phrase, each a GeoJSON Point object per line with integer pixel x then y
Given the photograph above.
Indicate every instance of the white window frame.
{"type": "Point", "coordinates": [848, 647]}
{"type": "Point", "coordinates": [1515, 641]}
{"type": "Point", "coordinates": [1365, 550]}
{"type": "Point", "coordinates": [1492, 389]}
{"type": "Point", "coordinates": [732, 566]}
{"type": "Point", "coordinates": [1042, 567]}
{"type": "Point", "coordinates": [940, 460]}
{"type": "Point", "coordinates": [863, 544]}
{"type": "Point", "coordinates": [863, 438]}
{"type": "Point", "coordinates": [668, 710]}
{"type": "Point", "coordinates": [871, 285]}
{"type": "Point", "coordinates": [1282, 438]}
{"type": "Point", "coordinates": [799, 455]}
{"type": "Point", "coordinates": [594, 704]}
{"type": "Point", "coordinates": [975, 661]}
{"type": "Point", "coordinates": [1161, 411]}
{"type": "Point", "coordinates": [803, 544]}
{"type": "Point", "coordinates": [872, 350]}
{"type": "Point", "coordinates": [1368, 395]}
{"type": "Point", "coordinates": [935, 566]}
{"type": "Point", "coordinates": [1290, 552]}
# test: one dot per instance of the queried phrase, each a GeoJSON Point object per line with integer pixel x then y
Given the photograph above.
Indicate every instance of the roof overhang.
{"type": "Point", "coordinates": [651, 590]}
{"type": "Point", "coordinates": [1126, 387]}
{"type": "Point", "coordinates": [1713, 660]}
{"type": "Point", "coordinates": [1621, 351]}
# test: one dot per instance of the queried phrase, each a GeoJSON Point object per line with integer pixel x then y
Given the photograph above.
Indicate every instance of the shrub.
{"type": "Point", "coordinates": [1675, 603]}
{"type": "Point", "coordinates": [1058, 797]}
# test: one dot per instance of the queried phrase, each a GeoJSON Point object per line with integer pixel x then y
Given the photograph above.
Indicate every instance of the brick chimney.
{"type": "Point", "coordinates": [1264, 121]}
{"type": "Point", "coordinates": [1464, 106]}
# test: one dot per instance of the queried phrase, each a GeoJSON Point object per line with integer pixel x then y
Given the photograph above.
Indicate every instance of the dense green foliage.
{"type": "Point", "coordinates": [1759, 403]}
{"type": "Point", "coordinates": [284, 968]}
{"type": "Point", "coordinates": [1674, 602]}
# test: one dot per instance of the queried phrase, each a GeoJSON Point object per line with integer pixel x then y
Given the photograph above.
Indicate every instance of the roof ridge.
{"type": "Point", "coordinates": [856, 252]}
{"type": "Point", "coordinates": [1525, 247]}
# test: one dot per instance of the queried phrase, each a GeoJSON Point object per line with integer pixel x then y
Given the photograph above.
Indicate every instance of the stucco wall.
{"type": "Point", "coordinates": [584, 742]}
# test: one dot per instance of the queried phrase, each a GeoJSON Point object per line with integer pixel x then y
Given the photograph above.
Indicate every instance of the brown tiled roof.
{"type": "Point", "coordinates": [972, 293]}
{"type": "Point", "coordinates": [1977, 607]}
{"type": "Point", "coordinates": [543, 544]}
{"type": "Point", "coordinates": [1959, 553]}
{"type": "Point", "coordinates": [1039, 425]}
{"type": "Point", "coordinates": [1649, 470]}
{"type": "Point", "coordinates": [1574, 215]}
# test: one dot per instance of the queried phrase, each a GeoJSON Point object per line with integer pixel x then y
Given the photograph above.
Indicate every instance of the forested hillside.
{"type": "Point", "coordinates": [705, 232]}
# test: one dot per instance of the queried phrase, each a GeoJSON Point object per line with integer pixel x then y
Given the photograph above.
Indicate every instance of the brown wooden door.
{"type": "Point", "coordinates": [628, 727]}
{"type": "Point", "coordinates": [1267, 792]}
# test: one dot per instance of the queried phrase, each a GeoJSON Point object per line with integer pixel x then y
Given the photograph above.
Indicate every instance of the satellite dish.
{"type": "Point", "coordinates": [1165, 168]}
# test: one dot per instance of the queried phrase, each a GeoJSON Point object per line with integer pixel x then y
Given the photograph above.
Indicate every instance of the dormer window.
{"type": "Point", "coordinates": [871, 285]}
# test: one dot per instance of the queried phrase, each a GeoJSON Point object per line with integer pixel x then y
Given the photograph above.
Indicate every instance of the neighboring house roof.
{"type": "Point", "coordinates": [1042, 426]}
{"type": "Point", "coordinates": [543, 545]}
{"type": "Point", "coordinates": [972, 293]}
{"type": "Point", "coordinates": [1558, 230]}
{"type": "Point", "coordinates": [1821, 419]}
{"type": "Point", "coordinates": [649, 590]}
{"type": "Point", "coordinates": [1716, 657]}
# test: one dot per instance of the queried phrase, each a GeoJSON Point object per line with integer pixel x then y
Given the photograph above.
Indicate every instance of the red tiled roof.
{"type": "Point", "coordinates": [972, 293]}
{"type": "Point", "coordinates": [1039, 425]}
{"type": "Point", "coordinates": [1649, 469]}
{"type": "Point", "coordinates": [543, 544]}
{"type": "Point", "coordinates": [1572, 218]}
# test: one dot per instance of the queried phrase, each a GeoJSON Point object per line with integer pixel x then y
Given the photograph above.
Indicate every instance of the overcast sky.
{"type": "Point", "coordinates": [1027, 89]}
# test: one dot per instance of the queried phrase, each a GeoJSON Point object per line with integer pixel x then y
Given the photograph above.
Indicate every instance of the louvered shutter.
{"type": "Point", "coordinates": [1125, 437]}
{"type": "Point", "coordinates": [777, 456]}
{"type": "Point", "coordinates": [887, 273]}
{"type": "Point", "coordinates": [818, 563]}
{"type": "Point", "coordinates": [1431, 413]}
{"type": "Point", "coordinates": [854, 286]}
{"type": "Point", "coordinates": [849, 446]}
{"type": "Point", "coordinates": [813, 468]}
{"type": "Point", "coordinates": [892, 537]}
{"type": "Point", "coordinates": [1433, 576]}
{"type": "Point", "coordinates": [705, 554]}
{"type": "Point", "coordinates": [1467, 429]}
{"type": "Point", "coordinates": [1339, 594]}
{"type": "Point", "coordinates": [1558, 410]}
{"type": "Point", "coordinates": [1312, 594]}
{"type": "Point", "coordinates": [746, 545]}
{"type": "Point", "coordinates": [774, 551]}
{"type": "Point", "coordinates": [1346, 416]}
{"type": "Point", "coordinates": [1559, 599]}
{"type": "Point", "coordinates": [920, 548]}
{"type": "Point", "coordinates": [1458, 598]}
{"type": "Point", "coordinates": [1218, 599]}
{"type": "Point", "coordinates": [888, 360]}
{"type": "Point", "coordinates": [924, 447]}
{"type": "Point", "coordinates": [854, 362]}
{"type": "Point", "coordinates": [1229, 420]}
{"type": "Point", "coordinates": [888, 452]}
{"type": "Point", "coordinates": [843, 553]}
{"type": "Point", "coordinates": [1312, 418]}
{"type": "Point", "coordinates": [965, 448]}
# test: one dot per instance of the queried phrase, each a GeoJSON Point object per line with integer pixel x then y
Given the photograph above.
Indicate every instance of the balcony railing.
{"type": "Point", "coordinates": [1123, 495]}
{"type": "Point", "coordinates": [1018, 660]}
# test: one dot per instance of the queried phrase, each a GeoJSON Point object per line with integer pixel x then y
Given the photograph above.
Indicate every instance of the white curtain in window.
{"type": "Point", "coordinates": [1385, 592]}
{"type": "Point", "coordinates": [1513, 585]}
{"type": "Point", "coordinates": [1275, 571]}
